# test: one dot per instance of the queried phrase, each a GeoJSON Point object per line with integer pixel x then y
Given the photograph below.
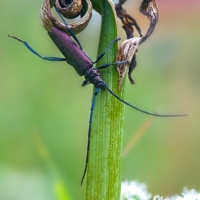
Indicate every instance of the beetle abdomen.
{"type": "Point", "coordinates": [74, 55]}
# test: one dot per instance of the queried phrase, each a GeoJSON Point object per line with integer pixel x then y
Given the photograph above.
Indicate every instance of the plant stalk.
{"type": "Point", "coordinates": [104, 166]}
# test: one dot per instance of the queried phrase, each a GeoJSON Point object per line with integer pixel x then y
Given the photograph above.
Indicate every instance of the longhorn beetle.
{"type": "Point", "coordinates": [84, 66]}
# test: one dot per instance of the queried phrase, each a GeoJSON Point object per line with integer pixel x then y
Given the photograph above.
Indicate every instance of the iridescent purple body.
{"type": "Point", "coordinates": [76, 57]}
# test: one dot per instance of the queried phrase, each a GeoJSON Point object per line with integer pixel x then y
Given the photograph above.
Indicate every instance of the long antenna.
{"type": "Point", "coordinates": [70, 31]}
{"type": "Point", "coordinates": [89, 131]}
{"type": "Point", "coordinates": [143, 111]}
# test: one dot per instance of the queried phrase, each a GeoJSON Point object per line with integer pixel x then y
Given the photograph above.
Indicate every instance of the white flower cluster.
{"type": "Point", "coordinates": [186, 195]}
{"type": "Point", "coordinates": [133, 190]}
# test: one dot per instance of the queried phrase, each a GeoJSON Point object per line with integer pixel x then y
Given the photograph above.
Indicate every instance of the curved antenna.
{"type": "Point", "coordinates": [37, 54]}
{"type": "Point", "coordinates": [143, 111]}
{"type": "Point", "coordinates": [89, 131]}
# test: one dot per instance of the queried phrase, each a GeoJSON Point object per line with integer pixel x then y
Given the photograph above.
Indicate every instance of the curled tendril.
{"type": "Point", "coordinates": [128, 48]}
{"type": "Point", "coordinates": [69, 10]}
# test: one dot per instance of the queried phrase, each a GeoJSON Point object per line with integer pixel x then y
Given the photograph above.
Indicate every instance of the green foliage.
{"type": "Point", "coordinates": [104, 170]}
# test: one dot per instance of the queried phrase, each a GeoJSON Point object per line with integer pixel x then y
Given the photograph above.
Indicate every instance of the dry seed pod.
{"type": "Point", "coordinates": [48, 20]}
{"type": "Point", "coordinates": [128, 48]}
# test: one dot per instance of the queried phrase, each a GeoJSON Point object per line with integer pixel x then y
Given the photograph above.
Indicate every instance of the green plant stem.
{"type": "Point", "coordinates": [104, 167]}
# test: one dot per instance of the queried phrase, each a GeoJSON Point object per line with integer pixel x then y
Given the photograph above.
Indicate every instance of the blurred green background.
{"type": "Point", "coordinates": [44, 111]}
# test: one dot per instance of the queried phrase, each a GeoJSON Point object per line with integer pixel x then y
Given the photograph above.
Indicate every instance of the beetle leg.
{"type": "Point", "coordinates": [116, 63]}
{"type": "Point", "coordinates": [107, 49]}
{"type": "Point", "coordinates": [85, 82]}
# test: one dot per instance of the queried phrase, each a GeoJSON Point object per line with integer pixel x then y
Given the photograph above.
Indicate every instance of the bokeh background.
{"type": "Point", "coordinates": [44, 111]}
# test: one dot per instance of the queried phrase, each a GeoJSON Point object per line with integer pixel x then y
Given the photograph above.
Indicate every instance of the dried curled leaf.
{"type": "Point", "coordinates": [127, 51]}
{"type": "Point", "coordinates": [128, 48]}
{"type": "Point", "coordinates": [69, 10]}
{"type": "Point", "coordinates": [127, 21]}
{"type": "Point", "coordinates": [48, 20]}
{"type": "Point", "coordinates": [150, 9]}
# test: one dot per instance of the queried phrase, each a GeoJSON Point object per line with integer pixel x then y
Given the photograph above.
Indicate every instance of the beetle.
{"type": "Point", "coordinates": [84, 66]}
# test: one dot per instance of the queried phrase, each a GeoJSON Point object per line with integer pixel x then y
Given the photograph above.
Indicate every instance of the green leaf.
{"type": "Point", "coordinates": [104, 167]}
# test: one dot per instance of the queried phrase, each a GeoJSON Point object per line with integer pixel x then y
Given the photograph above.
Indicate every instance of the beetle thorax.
{"type": "Point", "coordinates": [92, 75]}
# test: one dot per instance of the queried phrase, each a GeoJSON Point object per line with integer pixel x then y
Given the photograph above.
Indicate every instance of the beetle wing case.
{"type": "Point", "coordinates": [74, 55]}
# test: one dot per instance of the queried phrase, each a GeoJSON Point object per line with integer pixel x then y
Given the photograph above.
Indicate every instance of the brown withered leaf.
{"type": "Point", "coordinates": [71, 10]}
{"type": "Point", "coordinates": [128, 48]}
{"type": "Point", "coordinates": [127, 51]}
{"type": "Point", "coordinates": [128, 21]}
